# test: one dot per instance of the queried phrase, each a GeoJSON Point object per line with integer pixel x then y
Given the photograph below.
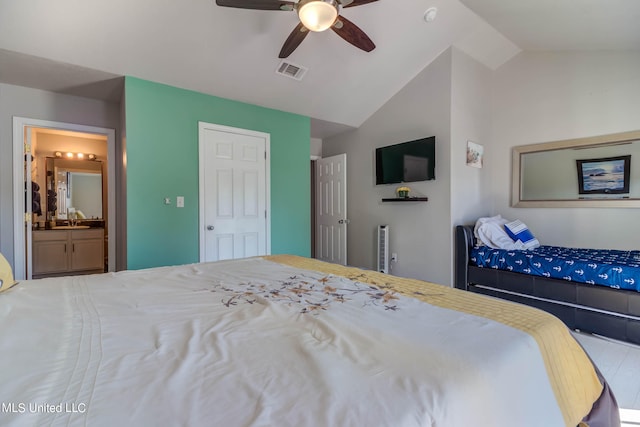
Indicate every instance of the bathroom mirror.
{"type": "Point", "coordinates": [77, 187]}
{"type": "Point", "coordinates": [600, 171]}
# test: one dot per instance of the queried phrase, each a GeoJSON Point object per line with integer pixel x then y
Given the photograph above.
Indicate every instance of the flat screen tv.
{"type": "Point", "coordinates": [407, 162]}
{"type": "Point", "coordinates": [608, 175]}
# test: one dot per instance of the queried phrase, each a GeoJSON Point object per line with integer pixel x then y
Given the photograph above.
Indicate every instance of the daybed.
{"type": "Point", "coordinates": [606, 311]}
{"type": "Point", "coordinates": [285, 341]}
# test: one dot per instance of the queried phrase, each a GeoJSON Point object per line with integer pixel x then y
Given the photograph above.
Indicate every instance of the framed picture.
{"type": "Point", "coordinates": [608, 175]}
{"type": "Point", "coordinates": [474, 154]}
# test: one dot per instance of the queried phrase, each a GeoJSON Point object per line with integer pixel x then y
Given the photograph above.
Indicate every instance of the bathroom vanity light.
{"type": "Point", "coordinates": [78, 156]}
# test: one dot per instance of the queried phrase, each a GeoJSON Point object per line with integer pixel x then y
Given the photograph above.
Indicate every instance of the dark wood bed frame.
{"type": "Point", "coordinates": [613, 313]}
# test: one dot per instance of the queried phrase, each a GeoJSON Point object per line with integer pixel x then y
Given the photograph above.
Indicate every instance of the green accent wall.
{"type": "Point", "coordinates": [162, 161]}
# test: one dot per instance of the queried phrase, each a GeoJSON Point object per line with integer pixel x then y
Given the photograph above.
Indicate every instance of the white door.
{"type": "Point", "coordinates": [234, 196]}
{"type": "Point", "coordinates": [331, 206]}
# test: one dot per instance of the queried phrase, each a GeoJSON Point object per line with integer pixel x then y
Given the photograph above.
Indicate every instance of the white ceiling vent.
{"type": "Point", "coordinates": [291, 70]}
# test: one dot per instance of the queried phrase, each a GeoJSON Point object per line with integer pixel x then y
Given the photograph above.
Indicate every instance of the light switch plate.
{"type": "Point", "coordinates": [180, 201]}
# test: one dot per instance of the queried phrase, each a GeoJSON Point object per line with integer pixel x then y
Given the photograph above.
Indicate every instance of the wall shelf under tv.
{"type": "Point", "coordinates": [406, 199]}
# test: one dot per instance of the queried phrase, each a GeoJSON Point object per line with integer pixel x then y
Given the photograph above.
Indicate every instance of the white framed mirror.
{"type": "Point", "coordinates": [77, 186]}
{"type": "Point", "coordinates": [599, 171]}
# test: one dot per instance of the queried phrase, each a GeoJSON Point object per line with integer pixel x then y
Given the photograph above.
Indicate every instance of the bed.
{"type": "Point", "coordinates": [284, 340]}
{"type": "Point", "coordinates": [604, 310]}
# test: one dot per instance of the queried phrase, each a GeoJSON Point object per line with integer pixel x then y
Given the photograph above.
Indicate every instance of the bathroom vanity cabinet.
{"type": "Point", "coordinates": [68, 252]}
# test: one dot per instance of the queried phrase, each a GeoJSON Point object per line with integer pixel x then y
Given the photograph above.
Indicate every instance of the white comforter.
{"type": "Point", "coordinates": [255, 343]}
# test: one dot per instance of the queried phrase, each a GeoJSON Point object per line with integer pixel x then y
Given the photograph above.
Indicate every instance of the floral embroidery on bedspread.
{"type": "Point", "coordinates": [311, 294]}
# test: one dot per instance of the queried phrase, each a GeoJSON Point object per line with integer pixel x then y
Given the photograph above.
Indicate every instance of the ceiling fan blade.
{"type": "Point", "coordinates": [293, 41]}
{"type": "Point", "coordinates": [257, 4]}
{"type": "Point", "coordinates": [351, 33]}
{"type": "Point", "coordinates": [359, 3]}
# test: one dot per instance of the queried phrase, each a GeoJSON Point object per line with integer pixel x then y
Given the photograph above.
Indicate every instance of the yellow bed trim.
{"type": "Point", "coordinates": [572, 376]}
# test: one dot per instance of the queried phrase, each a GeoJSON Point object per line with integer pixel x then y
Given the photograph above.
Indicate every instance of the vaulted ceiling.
{"type": "Point", "coordinates": [81, 48]}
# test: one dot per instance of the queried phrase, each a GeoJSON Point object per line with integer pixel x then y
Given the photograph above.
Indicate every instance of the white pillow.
{"type": "Point", "coordinates": [490, 231]}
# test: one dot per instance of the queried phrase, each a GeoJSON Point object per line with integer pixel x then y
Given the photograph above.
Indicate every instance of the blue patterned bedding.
{"type": "Point", "coordinates": [613, 268]}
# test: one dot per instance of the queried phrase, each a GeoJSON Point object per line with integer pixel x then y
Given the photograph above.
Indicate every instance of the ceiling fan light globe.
{"type": "Point", "coordinates": [318, 15]}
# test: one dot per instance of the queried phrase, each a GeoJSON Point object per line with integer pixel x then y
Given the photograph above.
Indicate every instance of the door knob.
{"type": "Point", "coordinates": [210, 227]}
{"type": "Point", "coordinates": [344, 221]}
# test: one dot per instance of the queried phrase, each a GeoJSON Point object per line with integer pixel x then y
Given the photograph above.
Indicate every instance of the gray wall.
{"type": "Point", "coordinates": [471, 120]}
{"type": "Point", "coordinates": [37, 104]}
{"type": "Point", "coordinates": [420, 109]}
{"type": "Point", "coordinates": [541, 97]}
{"type": "Point", "coordinates": [316, 147]}
{"type": "Point", "coordinates": [450, 99]}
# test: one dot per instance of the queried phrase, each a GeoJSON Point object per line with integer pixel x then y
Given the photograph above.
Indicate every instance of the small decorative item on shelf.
{"type": "Point", "coordinates": [403, 192]}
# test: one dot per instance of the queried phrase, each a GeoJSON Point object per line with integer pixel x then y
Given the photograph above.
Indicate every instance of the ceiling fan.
{"type": "Point", "coordinates": [315, 15]}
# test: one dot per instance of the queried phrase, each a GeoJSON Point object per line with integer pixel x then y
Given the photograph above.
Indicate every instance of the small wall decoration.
{"type": "Point", "coordinates": [474, 154]}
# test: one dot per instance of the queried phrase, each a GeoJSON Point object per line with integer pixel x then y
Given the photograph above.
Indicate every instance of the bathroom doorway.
{"type": "Point", "coordinates": [62, 231]}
